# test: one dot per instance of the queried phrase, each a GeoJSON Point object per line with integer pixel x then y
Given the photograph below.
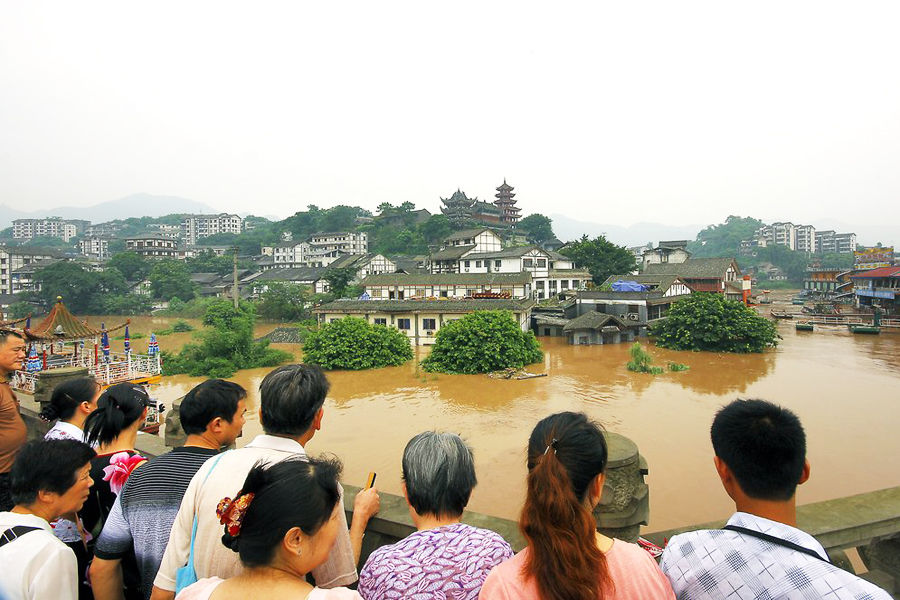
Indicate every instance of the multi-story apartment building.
{"type": "Point", "coordinates": [152, 245]}
{"type": "Point", "coordinates": [13, 259]}
{"type": "Point", "coordinates": [844, 243]}
{"type": "Point", "coordinates": [26, 229]}
{"type": "Point", "coordinates": [108, 229]}
{"type": "Point", "coordinates": [172, 231]}
{"type": "Point", "coordinates": [95, 247]}
{"type": "Point", "coordinates": [784, 234]}
{"type": "Point", "coordinates": [196, 227]}
{"type": "Point", "coordinates": [345, 242]}
{"type": "Point", "coordinates": [287, 253]}
{"type": "Point", "coordinates": [806, 238]}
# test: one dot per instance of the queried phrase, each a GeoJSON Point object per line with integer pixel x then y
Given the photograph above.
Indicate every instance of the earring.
{"type": "Point", "coordinates": [299, 551]}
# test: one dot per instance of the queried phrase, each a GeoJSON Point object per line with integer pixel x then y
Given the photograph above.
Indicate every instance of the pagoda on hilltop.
{"type": "Point", "coordinates": [507, 204]}
{"type": "Point", "coordinates": [458, 208]}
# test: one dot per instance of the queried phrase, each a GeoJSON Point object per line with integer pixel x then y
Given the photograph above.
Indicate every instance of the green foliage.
{"type": "Point", "coordinates": [284, 302]}
{"type": "Point", "coordinates": [435, 229]}
{"type": "Point", "coordinates": [208, 262]}
{"type": "Point", "coordinates": [537, 228]}
{"type": "Point", "coordinates": [192, 309]}
{"type": "Point", "coordinates": [20, 310]}
{"type": "Point", "coordinates": [641, 361]}
{"type": "Point", "coordinates": [339, 279]}
{"type": "Point", "coordinates": [170, 279]}
{"type": "Point", "coordinates": [83, 291]}
{"type": "Point", "coordinates": [131, 265]}
{"type": "Point", "coordinates": [678, 367]}
{"type": "Point", "coordinates": [225, 346]}
{"type": "Point", "coordinates": [352, 343]}
{"type": "Point", "coordinates": [128, 304]}
{"type": "Point", "coordinates": [725, 238]}
{"type": "Point", "coordinates": [180, 326]}
{"type": "Point", "coordinates": [710, 322]}
{"type": "Point", "coordinates": [601, 257]}
{"type": "Point", "coordinates": [482, 342]}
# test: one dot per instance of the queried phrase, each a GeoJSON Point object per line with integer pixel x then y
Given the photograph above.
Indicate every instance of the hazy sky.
{"type": "Point", "coordinates": [674, 112]}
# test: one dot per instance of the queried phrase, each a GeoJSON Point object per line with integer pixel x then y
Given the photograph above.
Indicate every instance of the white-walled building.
{"type": "Point", "coordinates": [152, 245]}
{"type": "Point", "coordinates": [95, 247]}
{"type": "Point", "coordinates": [197, 227]}
{"type": "Point", "coordinates": [671, 251]}
{"type": "Point", "coordinates": [26, 229]}
{"type": "Point", "coordinates": [405, 286]}
{"type": "Point", "coordinates": [13, 259]}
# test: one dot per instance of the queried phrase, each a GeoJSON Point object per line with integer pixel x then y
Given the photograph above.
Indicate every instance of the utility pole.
{"type": "Point", "coordinates": [234, 285]}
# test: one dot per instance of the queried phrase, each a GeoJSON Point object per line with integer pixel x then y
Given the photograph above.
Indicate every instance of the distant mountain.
{"type": "Point", "coordinates": [135, 205]}
{"type": "Point", "coordinates": [568, 229]}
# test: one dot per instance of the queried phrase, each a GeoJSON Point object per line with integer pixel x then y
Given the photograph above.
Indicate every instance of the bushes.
{"type": "Point", "coordinates": [710, 322]}
{"type": "Point", "coordinates": [482, 342]}
{"type": "Point", "coordinates": [226, 346]}
{"type": "Point", "coordinates": [351, 343]}
{"type": "Point", "coordinates": [641, 361]}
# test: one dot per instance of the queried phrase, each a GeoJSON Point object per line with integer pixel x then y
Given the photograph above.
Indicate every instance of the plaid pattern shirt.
{"type": "Point", "coordinates": [719, 564]}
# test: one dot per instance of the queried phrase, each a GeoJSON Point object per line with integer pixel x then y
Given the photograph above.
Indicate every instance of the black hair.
{"type": "Point", "coordinates": [566, 452]}
{"type": "Point", "coordinates": [117, 410]}
{"type": "Point", "coordinates": [207, 401]}
{"type": "Point", "coordinates": [439, 472]}
{"type": "Point", "coordinates": [290, 397]}
{"type": "Point", "coordinates": [46, 465]}
{"type": "Point", "coordinates": [67, 396]}
{"type": "Point", "coordinates": [296, 492]}
{"type": "Point", "coordinates": [764, 446]}
{"type": "Point", "coordinates": [6, 333]}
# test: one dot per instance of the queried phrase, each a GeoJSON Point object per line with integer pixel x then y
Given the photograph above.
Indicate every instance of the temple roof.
{"type": "Point", "coordinates": [60, 324]}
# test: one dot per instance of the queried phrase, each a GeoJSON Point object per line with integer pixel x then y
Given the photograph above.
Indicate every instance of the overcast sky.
{"type": "Point", "coordinates": [673, 112]}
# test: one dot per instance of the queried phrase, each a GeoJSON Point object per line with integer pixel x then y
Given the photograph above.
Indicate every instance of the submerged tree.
{"type": "Point", "coordinates": [705, 321]}
{"type": "Point", "coordinates": [352, 343]}
{"type": "Point", "coordinates": [482, 342]}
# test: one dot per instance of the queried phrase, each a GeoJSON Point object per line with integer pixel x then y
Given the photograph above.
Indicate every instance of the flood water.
{"type": "Point", "coordinates": [845, 389]}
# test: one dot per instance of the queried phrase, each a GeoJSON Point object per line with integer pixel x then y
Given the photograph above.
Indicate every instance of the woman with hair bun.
{"type": "Point", "coordinates": [282, 523]}
{"type": "Point", "coordinates": [566, 557]}
{"type": "Point", "coordinates": [70, 404]}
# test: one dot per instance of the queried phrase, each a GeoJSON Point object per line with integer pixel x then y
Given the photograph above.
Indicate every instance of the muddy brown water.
{"type": "Point", "coordinates": [845, 389]}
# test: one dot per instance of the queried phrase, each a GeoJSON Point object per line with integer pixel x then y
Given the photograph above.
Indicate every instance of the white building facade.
{"type": "Point", "coordinates": [197, 227]}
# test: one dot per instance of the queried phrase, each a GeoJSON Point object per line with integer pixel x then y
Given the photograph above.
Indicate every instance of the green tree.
{"type": "Point", "coordinates": [171, 278]}
{"type": "Point", "coordinates": [339, 279]}
{"type": "Point", "coordinates": [83, 291]}
{"type": "Point", "coordinates": [284, 302]}
{"type": "Point", "coordinates": [725, 238]}
{"type": "Point", "coordinates": [709, 322]}
{"type": "Point", "coordinates": [435, 229]}
{"type": "Point", "coordinates": [352, 343]}
{"type": "Point", "coordinates": [600, 257]}
{"type": "Point", "coordinates": [482, 342]}
{"type": "Point", "coordinates": [127, 304]}
{"type": "Point", "coordinates": [226, 345]}
{"type": "Point", "coordinates": [131, 265]}
{"type": "Point", "coordinates": [537, 228]}
{"type": "Point", "coordinates": [208, 262]}
{"type": "Point", "coordinates": [20, 310]}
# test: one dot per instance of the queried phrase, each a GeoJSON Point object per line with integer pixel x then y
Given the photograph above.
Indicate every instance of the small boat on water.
{"type": "Point", "coordinates": [781, 315]}
{"type": "Point", "coordinates": [803, 326]}
{"type": "Point", "coordinates": [796, 300]}
{"type": "Point", "coordinates": [859, 328]}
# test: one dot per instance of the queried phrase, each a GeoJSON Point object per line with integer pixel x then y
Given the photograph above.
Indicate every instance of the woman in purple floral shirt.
{"type": "Point", "coordinates": [444, 558]}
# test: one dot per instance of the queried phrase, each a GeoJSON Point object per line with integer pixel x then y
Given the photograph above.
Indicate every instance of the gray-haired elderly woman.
{"type": "Point", "coordinates": [444, 557]}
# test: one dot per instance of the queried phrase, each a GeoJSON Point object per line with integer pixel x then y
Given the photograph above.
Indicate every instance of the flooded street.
{"type": "Point", "coordinates": [845, 389]}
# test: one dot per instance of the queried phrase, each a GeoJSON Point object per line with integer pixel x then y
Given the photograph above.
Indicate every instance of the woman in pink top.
{"type": "Point", "coordinates": [282, 523]}
{"type": "Point", "coordinates": [566, 558]}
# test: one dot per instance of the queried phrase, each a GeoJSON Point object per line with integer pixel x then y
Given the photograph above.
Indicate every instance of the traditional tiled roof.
{"type": "Point", "coordinates": [452, 253]}
{"type": "Point", "coordinates": [350, 260]}
{"type": "Point", "coordinates": [293, 274]}
{"type": "Point", "coordinates": [447, 279]}
{"type": "Point", "coordinates": [466, 234]}
{"type": "Point", "coordinates": [660, 282]}
{"type": "Point", "coordinates": [693, 268]}
{"type": "Point", "coordinates": [60, 324]}
{"type": "Point", "coordinates": [438, 306]}
{"type": "Point", "coordinates": [878, 273]}
{"type": "Point", "coordinates": [513, 252]}
{"type": "Point", "coordinates": [596, 320]}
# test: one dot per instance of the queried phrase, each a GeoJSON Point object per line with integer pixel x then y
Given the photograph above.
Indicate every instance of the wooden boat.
{"type": "Point", "coordinates": [803, 326]}
{"type": "Point", "coordinates": [872, 329]}
{"type": "Point", "coordinates": [782, 315]}
{"type": "Point", "coordinates": [798, 301]}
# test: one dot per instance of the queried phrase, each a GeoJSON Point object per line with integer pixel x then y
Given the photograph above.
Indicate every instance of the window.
{"type": "Point", "coordinates": [553, 284]}
{"type": "Point", "coordinates": [542, 263]}
{"type": "Point", "coordinates": [444, 294]}
{"type": "Point", "coordinates": [429, 324]}
{"type": "Point", "coordinates": [381, 322]}
{"type": "Point", "coordinates": [496, 264]}
{"type": "Point", "coordinates": [467, 263]}
{"type": "Point", "coordinates": [527, 263]}
{"type": "Point", "coordinates": [477, 264]}
{"type": "Point", "coordinates": [539, 285]}
{"type": "Point", "coordinates": [564, 284]}
{"type": "Point", "coordinates": [402, 323]}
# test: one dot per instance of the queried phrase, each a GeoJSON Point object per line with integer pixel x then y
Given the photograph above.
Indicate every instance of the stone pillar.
{"type": "Point", "coordinates": [47, 380]}
{"type": "Point", "coordinates": [625, 503]}
{"type": "Point", "coordinates": [175, 435]}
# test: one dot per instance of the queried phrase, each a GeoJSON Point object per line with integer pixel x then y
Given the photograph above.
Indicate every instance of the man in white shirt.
{"type": "Point", "coordinates": [48, 479]}
{"type": "Point", "coordinates": [760, 456]}
{"type": "Point", "coordinates": [291, 401]}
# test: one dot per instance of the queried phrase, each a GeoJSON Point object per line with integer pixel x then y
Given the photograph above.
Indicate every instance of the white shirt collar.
{"type": "Point", "coordinates": [777, 529]}
{"type": "Point", "coordinates": [274, 442]}
{"type": "Point", "coordinates": [72, 430]}
{"type": "Point", "coordinates": [11, 519]}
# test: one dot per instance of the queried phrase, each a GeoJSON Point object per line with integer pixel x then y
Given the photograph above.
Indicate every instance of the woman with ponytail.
{"type": "Point", "coordinates": [566, 558]}
{"type": "Point", "coordinates": [282, 523]}
{"type": "Point", "coordinates": [70, 404]}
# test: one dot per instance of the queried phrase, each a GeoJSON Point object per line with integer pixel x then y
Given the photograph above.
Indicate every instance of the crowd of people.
{"type": "Point", "coordinates": [83, 515]}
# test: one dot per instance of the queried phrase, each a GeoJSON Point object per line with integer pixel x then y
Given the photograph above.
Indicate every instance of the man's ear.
{"type": "Point", "coordinates": [317, 421]}
{"type": "Point", "coordinates": [724, 472]}
{"type": "Point", "coordinates": [804, 475]}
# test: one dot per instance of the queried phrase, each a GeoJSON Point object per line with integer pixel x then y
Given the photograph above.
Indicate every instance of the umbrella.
{"type": "Point", "coordinates": [127, 341]}
{"type": "Point", "coordinates": [104, 343]}
{"type": "Point", "coordinates": [34, 362]}
{"type": "Point", "coordinates": [153, 347]}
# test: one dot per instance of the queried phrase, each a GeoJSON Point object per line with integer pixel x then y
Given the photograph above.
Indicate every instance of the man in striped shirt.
{"type": "Point", "coordinates": [134, 537]}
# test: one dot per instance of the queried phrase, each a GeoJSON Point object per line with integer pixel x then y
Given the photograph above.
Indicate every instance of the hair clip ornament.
{"type": "Point", "coordinates": [231, 513]}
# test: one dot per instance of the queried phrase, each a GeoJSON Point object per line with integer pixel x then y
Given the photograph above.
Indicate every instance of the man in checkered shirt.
{"type": "Point", "coordinates": [761, 458]}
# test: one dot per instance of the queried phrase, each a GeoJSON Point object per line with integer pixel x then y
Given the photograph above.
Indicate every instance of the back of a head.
{"type": "Point", "coordinates": [292, 493]}
{"type": "Point", "coordinates": [764, 446]}
{"type": "Point", "coordinates": [118, 408]}
{"type": "Point", "coordinates": [290, 397]}
{"type": "Point", "coordinates": [46, 465]}
{"type": "Point", "coordinates": [211, 399]}
{"type": "Point", "coordinates": [566, 452]}
{"type": "Point", "coordinates": [67, 396]}
{"type": "Point", "coordinates": [439, 473]}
